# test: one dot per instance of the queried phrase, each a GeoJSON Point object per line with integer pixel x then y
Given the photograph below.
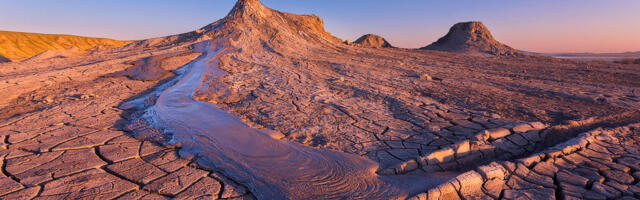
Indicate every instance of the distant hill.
{"type": "Point", "coordinates": [371, 40]}
{"type": "Point", "coordinates": [18, 46]}
{"type": "Point", "coordinates": [471, 38]}
{"type": "Point", "coordinates": [624, 54]}
{"type": "Point", "coordinates": [591, 56]}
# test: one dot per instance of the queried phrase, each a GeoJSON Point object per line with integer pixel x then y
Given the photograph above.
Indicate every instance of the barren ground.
{"type": "Point", "coordinates": [519, 126]}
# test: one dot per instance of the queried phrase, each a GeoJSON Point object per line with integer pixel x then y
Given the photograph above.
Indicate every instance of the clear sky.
{"type": "Point", "coordinates": [532, 25]}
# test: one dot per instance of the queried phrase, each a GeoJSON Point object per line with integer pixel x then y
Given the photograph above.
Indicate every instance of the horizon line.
{"type": "Point", "coordinates": [130, 40]}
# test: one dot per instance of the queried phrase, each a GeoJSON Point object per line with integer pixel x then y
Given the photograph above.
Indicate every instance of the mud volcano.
{"type": "Point", "coordinates": [471, 38]}
{"type": "Point", "coordinates": [371, 40]}
{"type": "Point", "coordinates": [264, 104]}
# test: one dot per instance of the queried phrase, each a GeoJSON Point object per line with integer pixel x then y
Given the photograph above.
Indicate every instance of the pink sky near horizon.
{"type": "Point", "coordinates": [574, 36]}
{"type": "Point", "coordinates": [545, 26]}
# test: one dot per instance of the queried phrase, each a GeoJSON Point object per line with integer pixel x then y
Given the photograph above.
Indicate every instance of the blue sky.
{"type": "Point", "coordinates": [534, 25]}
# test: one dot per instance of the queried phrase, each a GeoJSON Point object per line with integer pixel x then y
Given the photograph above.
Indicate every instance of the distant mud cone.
{"type": "Point", "coordinates": [471, 38]}
{"type": "Point", "coordinates": [371, 40]}
{"type": "Point", "coordinates": [249, 22]}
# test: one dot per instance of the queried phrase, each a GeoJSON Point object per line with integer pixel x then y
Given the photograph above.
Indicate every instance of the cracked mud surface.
{"type": "Point", "coordinates": [599, 164]}
{"type": "Point", "coordinates": [73, 147]}
{"type": "Point", "coordinates": [498, 122]}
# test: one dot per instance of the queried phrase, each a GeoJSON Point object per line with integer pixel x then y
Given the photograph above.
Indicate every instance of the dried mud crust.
{"type": "Point", "coordinates": [377, 103]}
{"type": "Point", "coordinates": [406, 109]}
{"type": "Point", "coordinates": [65, 142]}
{"type": "Point", "coordinates": [599, 164]}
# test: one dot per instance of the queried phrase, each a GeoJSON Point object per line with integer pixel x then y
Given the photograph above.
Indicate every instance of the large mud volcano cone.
{"type": "Point", "coordinates": [471, 38]}
{"type": "Point", "coordinates": [250, 21]}
{"type": "Point", "coordinates": [371, 40]}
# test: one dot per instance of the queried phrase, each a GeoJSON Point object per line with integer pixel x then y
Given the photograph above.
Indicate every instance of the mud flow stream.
{"type": "Point", "coordinates": [271, 168]}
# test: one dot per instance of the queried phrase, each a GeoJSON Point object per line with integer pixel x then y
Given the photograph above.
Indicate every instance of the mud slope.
{"type": "Point", "coordinates": [271, 168]}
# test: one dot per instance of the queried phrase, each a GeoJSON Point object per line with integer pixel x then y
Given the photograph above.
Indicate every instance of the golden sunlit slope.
{"type": "Point", "coordinates": [18, 45]}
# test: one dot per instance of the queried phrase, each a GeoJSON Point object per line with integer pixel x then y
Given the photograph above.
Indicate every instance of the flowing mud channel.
{"type": "Point", "coordinates": [270, 167]}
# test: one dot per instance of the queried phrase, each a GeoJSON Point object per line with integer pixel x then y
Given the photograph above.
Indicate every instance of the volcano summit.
{"type": "Point", "coordinates": [371, 40]}
{"type": "Point", "coordinates": [471, 38]}
{"type": "Point", "coordinates": [264, 104]}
